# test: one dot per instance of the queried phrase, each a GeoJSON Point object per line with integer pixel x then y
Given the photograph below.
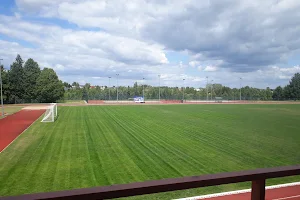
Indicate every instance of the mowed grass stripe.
{"type": "Point", "coordinates": [101, 145]}
{"type": "Point", "coordinates": [62, 178]}
{"type": "Point", "coordinates": [217, 139]}
{"type": "Point", "coordinates": [164, 144]}
{"type": "Point", "coordinates": [192, 147]}
{"type": "Point", "coordinates": [118, 156]}
{"type": "Point", "coordinates": [148, 153]}
{"type": "Point", "coordinates": [48, 155]}
{"type": "Point", "coordinates": [151, 144]}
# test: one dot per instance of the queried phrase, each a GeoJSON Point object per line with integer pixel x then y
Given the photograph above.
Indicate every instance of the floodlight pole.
{"type": "Point", "coordinates": [240, 89]}
{"type": "Point", "coordinates": [183, 91]}
{"type": "Point", "coordinates": [143, 90]}
{"type": "Point", "coordinates": [159, 88]}
{"type": "Point", "coordinates": [109, 88]}
{"type": "Point", "coordinates": [1, 89]}
{"type": "Point", "coordinates": [117, 88]}
{"type": "Point", "coordinates": [207, 89]}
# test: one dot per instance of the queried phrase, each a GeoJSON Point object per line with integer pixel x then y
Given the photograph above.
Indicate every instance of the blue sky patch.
{"type": "Point", "coordinates": [176, 57]}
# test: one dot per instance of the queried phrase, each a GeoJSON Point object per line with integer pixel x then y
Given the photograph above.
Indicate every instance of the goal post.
{"type": "Point", "coordinates": [51, 113]}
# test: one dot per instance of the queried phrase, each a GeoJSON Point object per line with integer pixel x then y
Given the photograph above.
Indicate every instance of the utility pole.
{"type": "Point", "coordinates": [240, 89]}
{"type": "Point", "coordinates": [211, 89]}
{"type": "Point", "coordinates": [159, 88]}
{"type": "Point", "coordinates": [109, 88]}
{"type": "Point", "coordinates": [117, 88]}
{"type": "Point", "coordinates": [183, 91]}
{"type": "Point", "coordinates": [1, 88]}
{"type": "Point", "coordinates": [207, 89]}
{"type": "Point", "coordinates": [143, 90]}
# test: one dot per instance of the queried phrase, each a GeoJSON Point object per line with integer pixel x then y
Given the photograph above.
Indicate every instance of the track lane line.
{"type": "Point", "coordinates": [291, 197]}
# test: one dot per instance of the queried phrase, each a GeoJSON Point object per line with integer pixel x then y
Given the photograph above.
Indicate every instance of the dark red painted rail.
{"type": "Point", "coordinates": [257, 176]}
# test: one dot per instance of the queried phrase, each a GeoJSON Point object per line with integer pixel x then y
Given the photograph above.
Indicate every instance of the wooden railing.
{"type": "Point", "coordinates": [257, 177]}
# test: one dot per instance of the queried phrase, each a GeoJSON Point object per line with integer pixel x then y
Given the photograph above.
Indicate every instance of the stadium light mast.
{"type": "Point", "coordinates": [240, 89]}
{"type": "Point", "coordinates": [183, 91]}
{"type": "Point", "coordinates": [143, 89]}
{"type": "Point", "coordinates": [159, 87]}
{"type": "Point", "coordinates": [109, 87]}
{"type": "Point", "coordinates": [207, 89]}
{"type": "Point", "coordinates": [1, 89]}
{"type": "Point", "coordinates": [117, 88]}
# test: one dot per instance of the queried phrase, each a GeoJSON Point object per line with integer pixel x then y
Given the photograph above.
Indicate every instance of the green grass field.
{"type": "Point", "coordinates": [102, 145]}
{"type": "Point", "coordinates": [71, 101]}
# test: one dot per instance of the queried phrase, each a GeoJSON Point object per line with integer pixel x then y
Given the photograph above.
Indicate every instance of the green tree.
{"type": "Point", "coordinates": [85, 93]}
{"type": "Point", "coordinates": [87, 86]}
{"type": "Point", "coordinates": [75, 84]}
{"type": "Point", "coordinates": [135, 86]}
{"type": "Point", "coordinates": [278, 93]}
{"type": "Point", "coordinates": [67, 85]}
{"type": "Point", "coordinates": [294, 87]}
{"type": "Point", "coordinates": [5, 84]}
{"type": "Point", "coordinates": [217, 88]}
{"type": "Point", "coordinates": [31, 74]}
{"type": "Point", "coordinates": [287, 92]}
{"type": "Point", "coordinates": [16, 79]}
{"type": "Point", "coordinates": [49, 87]}
{"type": "Point", "coordinates": [268, 94]}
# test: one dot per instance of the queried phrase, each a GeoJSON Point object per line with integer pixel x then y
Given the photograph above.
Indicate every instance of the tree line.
{"type": "Point", "coordinates": [27, 83]}
{"type": "Point", "coordinates": [290, 92]}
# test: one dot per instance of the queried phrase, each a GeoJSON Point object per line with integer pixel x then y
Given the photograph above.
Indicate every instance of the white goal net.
{"type": "Point", "coordinates": [51, 113]}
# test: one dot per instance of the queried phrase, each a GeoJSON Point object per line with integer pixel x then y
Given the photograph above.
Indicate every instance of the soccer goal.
{"type": "Point", "coordinates": [51, 113]}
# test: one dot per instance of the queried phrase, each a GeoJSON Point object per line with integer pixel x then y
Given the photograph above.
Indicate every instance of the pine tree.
{"type": "Point", "coordinates": [16, 79]}
{"type": "Point", "coordinates": [31, 74]}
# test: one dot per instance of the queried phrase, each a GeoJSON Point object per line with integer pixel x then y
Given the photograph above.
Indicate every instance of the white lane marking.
{"type": "Point", "coordinates": [291, 197]}
{"type": "Point", "coordinates": [238, 192]}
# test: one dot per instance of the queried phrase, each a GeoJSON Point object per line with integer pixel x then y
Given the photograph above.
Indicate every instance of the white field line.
{"type": "Point", "coordinates": [20, 134]}
{"type": "Point", "coordinates": [239, 191]}
{"type": "Point", "coordinates": [291, 197]}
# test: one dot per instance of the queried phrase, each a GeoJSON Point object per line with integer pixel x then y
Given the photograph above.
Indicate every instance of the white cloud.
{"type": "Point", "coordinates": [233, 31]}
{"type": "Point", "coordinates": [66, 42]}
{"type": "Point", "coordinates": [284, 77]}
{"type": "Point", "coordinates": [17, 15]}
{"type": "Point", "coordinates": [290, 70]}
{"type": "Point", "coordinates": [194, 63]}
{"type": "Point", "coordinates": [232, 38]}
{"type": "Point", "coordinates": [210, 69]}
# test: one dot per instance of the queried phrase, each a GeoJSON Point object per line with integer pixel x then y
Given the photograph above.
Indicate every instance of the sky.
{"type": "Point", "coordinates": [88, 41]}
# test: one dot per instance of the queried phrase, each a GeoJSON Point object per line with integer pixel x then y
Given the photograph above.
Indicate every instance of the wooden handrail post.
{"type": "Point", "coordinates": [258, 189]}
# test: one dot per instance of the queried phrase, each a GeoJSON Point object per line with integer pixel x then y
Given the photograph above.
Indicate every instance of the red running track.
{"type": "Point", "coordinates": [284, 193]}
{"type": "Point", "coordinates": [13, 125]}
